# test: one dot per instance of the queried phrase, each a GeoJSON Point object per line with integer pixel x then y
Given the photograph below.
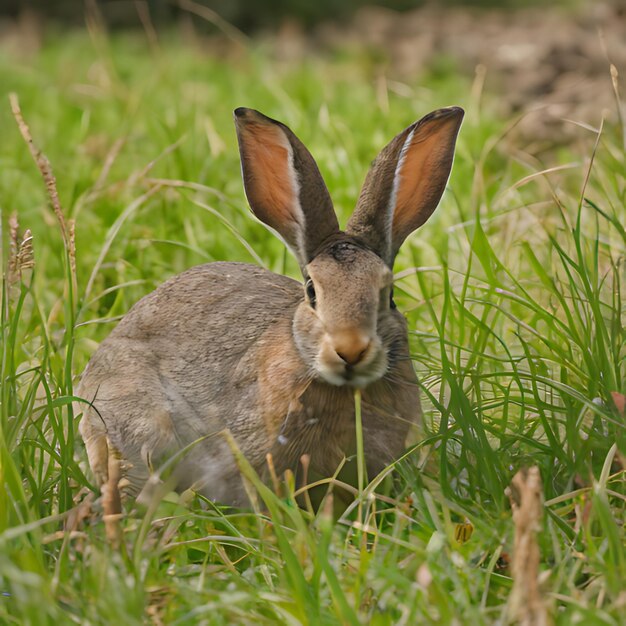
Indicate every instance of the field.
{"type": "Point", "coordinates": [514, 292]}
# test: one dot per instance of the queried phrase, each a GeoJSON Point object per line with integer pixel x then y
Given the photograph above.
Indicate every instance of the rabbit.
{"type": "Point", "coordinates": [234, 347]}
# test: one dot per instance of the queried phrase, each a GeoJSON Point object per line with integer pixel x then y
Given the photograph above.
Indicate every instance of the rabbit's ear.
{"type": "Point", "coordinates": [283, 185]}
{"type": "Point", "coordinates": [406, 182]}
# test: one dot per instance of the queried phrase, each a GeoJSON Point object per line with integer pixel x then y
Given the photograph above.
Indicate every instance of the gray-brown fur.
{"type": "Point", "coordinates": [230, 346]}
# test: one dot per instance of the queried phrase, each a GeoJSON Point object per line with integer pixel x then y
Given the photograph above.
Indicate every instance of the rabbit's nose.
{"type": "Point", "coordinates": [351, 347]}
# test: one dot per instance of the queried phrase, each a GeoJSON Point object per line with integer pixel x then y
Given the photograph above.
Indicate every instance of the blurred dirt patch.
{"type": "Point", "coordinates": [551, 60]}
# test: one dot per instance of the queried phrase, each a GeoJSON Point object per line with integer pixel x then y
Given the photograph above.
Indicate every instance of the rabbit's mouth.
{"type": "Point", "coordinates": [338, 373]}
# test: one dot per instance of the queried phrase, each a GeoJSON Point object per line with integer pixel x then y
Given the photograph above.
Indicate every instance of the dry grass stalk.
{"type": "Point", "coordinates": [305, 461]}
{"type": "Point", "coordinates": [112, 154]}
{"type": "Point", "coordinates": [81, 512]}
{"type": "Point", "coordinates": [112, 501]}
{"type": "Point", "coordinates": [21, 256]}
{"type": "Point", "coordinates": [25, 254]}
{"type": "Point", "coordinates": [618, 101]}
{"type": "Point", "coordinates": [72, 245]}
{"type": "Point", "coordinates": [67, 230]}
{"type": "Point", "coordinates": [526, 603]}
{"type": "Point", "coordinates": [43, 165]}
{"type": "Point", "coordinates": [14, 226]}
{"type": "Point", "coordinates": [269, 458]}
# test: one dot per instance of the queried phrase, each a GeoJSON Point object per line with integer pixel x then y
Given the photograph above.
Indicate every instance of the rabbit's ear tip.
{"type": "Point", "coordinates": [243, 115]}
{"type": "Point", "coordinates": [447, 112]}
{"type": "Point", "coordinates": [454, 110]}
{"type": "Point", "coordinates": [241, 112]}
{"type": "Point", "coordinates": [447, 115]}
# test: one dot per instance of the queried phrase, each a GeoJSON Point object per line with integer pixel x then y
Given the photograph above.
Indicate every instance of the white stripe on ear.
{"type": "Point", "coordinates": [393, 199]}
{"type": "Point", "coordinates": [297, 212]}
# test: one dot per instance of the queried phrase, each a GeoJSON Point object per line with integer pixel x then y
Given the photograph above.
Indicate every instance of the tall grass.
{"type": "Point", "coordinates": [514, 296]}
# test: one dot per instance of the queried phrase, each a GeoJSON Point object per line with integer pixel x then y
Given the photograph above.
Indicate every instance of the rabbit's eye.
{"type": "Point", "coordinates": [392, 304]}
{"type": "Point", "coordinates": [310, 292]}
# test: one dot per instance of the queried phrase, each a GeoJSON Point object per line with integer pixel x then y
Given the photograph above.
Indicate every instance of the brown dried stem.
{"type": "Point", "coordinates": [526, 603]}
{"type": "Point", "coordinates": [112, 501]}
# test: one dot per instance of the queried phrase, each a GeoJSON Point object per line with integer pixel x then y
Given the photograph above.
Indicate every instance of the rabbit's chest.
{"type": "Point", "coordinates": [319, 423]}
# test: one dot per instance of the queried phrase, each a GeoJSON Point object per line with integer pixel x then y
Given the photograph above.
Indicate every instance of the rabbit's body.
{"type": "Point", "coordinates": [230, 346]}
{"type": "Point", "coordinates": [194, 385]}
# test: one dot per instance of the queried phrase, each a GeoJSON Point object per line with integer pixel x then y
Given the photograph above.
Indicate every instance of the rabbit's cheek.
{"type": "Point", "coordinates": [307, 333]}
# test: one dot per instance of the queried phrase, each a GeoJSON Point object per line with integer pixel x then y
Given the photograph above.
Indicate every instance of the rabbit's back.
{"type": "Point", "coordinates": [205, 307]}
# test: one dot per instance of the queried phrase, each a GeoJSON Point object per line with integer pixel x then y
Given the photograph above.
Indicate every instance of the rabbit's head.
{"type": "Point", "coordinates": [347, 329]}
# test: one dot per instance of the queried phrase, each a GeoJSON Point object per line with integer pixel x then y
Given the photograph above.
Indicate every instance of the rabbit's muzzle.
{"type": "Point", "coordinates": [351, 358]}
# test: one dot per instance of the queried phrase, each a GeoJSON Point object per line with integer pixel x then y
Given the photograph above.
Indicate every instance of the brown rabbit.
{"type": "Point", "coordinates": [231, 346]}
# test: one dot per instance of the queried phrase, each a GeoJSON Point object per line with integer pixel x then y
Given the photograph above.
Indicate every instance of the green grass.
{"type": "Point", "coordinates": [514, 292]}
